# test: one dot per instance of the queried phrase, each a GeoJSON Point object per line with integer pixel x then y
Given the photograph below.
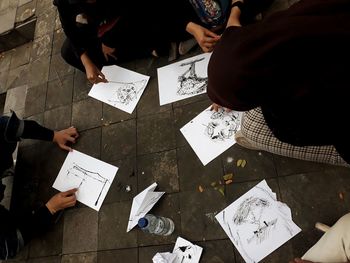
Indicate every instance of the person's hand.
{"type": "Point", "coordinates": [206, 39]}
{"type": "Point", "coordinates": [299, 260]}
{"type": "Point", "coordinates": [61, 201]}
{"type": "Point", "coordinates": [93, 74]}
{"type": "Point", "coordinates": [64, 136]}
{"type": "Point", "coordinates": [108, 52]}
{"type": "Point", "coordinates": [215, 107]}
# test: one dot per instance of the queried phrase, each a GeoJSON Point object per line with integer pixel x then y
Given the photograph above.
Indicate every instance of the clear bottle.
{"type": "Point", "coordinates": [156, 225]}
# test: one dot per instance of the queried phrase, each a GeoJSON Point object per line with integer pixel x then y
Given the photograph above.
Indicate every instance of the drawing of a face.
{"type": "Point", "coordinates": [222, 126]}
{"type": "Point", "coordinates": [187, 253]}
{"type": "Point", "coordinates": [190, 86]}
{"type": "Point", "coordinates": [254, 213]}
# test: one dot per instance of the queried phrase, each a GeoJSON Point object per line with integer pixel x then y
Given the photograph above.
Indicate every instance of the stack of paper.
{"type": "Point", "coordinates": [257, 223]}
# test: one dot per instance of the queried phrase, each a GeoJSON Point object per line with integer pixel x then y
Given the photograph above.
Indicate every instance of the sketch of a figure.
{"type": "Point", "coordinates": [84, 177]}
{"type": "Point", "coordinates": [127, 92]}
{"type": "Point", "coordinates": [223, 125]}
{"type": "Point", "coordinates": [189, 82]}
{"type": "Point", "coordinates": [251, 212]}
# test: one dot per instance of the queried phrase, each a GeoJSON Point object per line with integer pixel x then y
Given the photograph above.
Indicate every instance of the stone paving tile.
{"type": "Point", "coordinates": [2, 102]}
{"type": "Point", "coordinates": [259, 165]}
{"type": "Point", "coordinates": [160, 168]}
{"type": "Point", "coordinates": [89, 142]}
{"type": "Point", "coordinates": [155, 133]}
{"type": "Point", "coordinates": [43, 5]}
{"type": "Point", "coordinates": [80, 231]}
{"type": "Point", "coordinates": [217, 251]}
{"type": "Point", "coordinates": [59, 92]}
{"type": "Point", "coordinates": [185, 114]}
{"type": "Point", "coordinates": [59, 68]}
{"type": "Point", "coordinates": [147, 253]}
{"type": "Point", "coordinates": [55, 259]}
{"type": "Point", "coordinates": [80, 258]}
{"type": "Point", "coordinates": [81, 86]}
{"type": "Point", "coordinates": [282, 254]}
{"type": "Point", "coordinates": [119, 140]}
{"type": "Point", "coordinates": [21, 55]}
{"type": "Point", "coordinates": [167, 206]}
{"type": "Point", "coordinates": [236, 190]}
{"type": "Point", "coordinates": [17, 77]}
{"type": "Point", "coordinates": [192, 173]}
{"type": "Point", "coordinates": [126, 176]}
{"type": "Point", "coordinates": [315, 197]}
{"type": "Point", "coordinates": [38, 71]}
{"type": "Point", "coordinates": [113, 115]}
{"type": "Point", "coordinates": [42, 46]}
{"type": "Point", "coordinates": [86, 114]}
{"type": "Point", "coordinates": [149, 102]}
{"type": "Point", "coordinates": [58, 39]}
{"type": "Point", "coordinates": [21, 256]}
{"type": "Point", "coordinates": [3, 81]}
{"type": "Point", "coordinates": [289, 166]}
{"type": "Point", "coordinates": [202, 97]}
{"type": "Point", "coordinates": [5, 61]}
{"type": "Point", "coordinates": [35, 100]}
{"type": "Point", "coordinates": [123, 255]}
{"type": "Point", "coordinates": [25, 10]}
{"type": "Point", "coordinates": [113, 221]}
{"type": "Point", "coordinates": [58, 118]}
{"type": "Point", "coordinates": [45, 24]}
{"type": "Point", "coordinates": [49, 244]}
{"type": "Point", "coordinates": [15, 99]}
{"type": "Point", "coordinates": [197, 210]}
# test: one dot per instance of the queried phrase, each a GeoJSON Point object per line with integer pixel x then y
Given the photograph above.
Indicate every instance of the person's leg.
{"type": "Point", "coordinates": [334, 245]}
{"type": "Point", "coordinates": [69, 55]}
{"type": "Point", "coordinates": [257, 134]}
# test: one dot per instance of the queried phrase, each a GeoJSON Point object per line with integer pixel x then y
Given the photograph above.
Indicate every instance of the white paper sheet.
{"type": "Point", "coordinates": [142, 204]}
{"type": "Point", "coordinates": [211, 133]}
{"type": "Point", "coordinates": [123, 90]}
{"type": "Point", "coordinates": [257, 223]}
{"type": "Point", "coordinates": [91, 176]}
{"type": "Point", "coordinates": [186, 252]}
{"type": "Point", "coordinates": [183, 79]}
{"type": "Point", "coordinates": [165, 257]}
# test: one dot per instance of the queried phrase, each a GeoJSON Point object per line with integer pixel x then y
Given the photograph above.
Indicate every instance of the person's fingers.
{"type": "Point", "coordinates": [99, 79]}
{"type": "Point", "coordinates": [228, 110]}
{"type": "Point", "coordinates": [100, 74]}
{"type": "Point", "coordinates": [210, 33]}
{"type": "Point", "coordinates": [209, 40]}
{"type": "Point", "coordinates": [65, 147]}
{"type": "Point", "coordinates": [70, 192]}
{"type": "Point", "coordinates": [105, 54]}
{"type": "Point", "coordinates": [112, 55]}
{"type": "Point", "coordinates": [70, 138]}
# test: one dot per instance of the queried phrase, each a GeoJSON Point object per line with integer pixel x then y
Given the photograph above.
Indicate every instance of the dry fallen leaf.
{"type": "Point", "coordinates": [200, 188]}
{"type": "Point", "coordinates": [341, 196]}
{"type": "Point", "coordinates": [229, 181]}
{"type": "Point", "coordinates": [244, 162]}
{"type": "Point", "coordinates": [228, 176]}
{"type": "Point", "coordinates": [239, 162]}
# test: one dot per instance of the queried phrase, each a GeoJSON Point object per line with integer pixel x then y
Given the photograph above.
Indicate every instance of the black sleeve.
{"type": "Point", "coordinates": [37, 224]}
{"type": "Point", "coordinates": [33, 130]}
{"type": "Point", "coordinates": [80, 37]}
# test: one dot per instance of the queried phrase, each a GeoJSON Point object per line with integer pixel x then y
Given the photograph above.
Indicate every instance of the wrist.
{"type": "Point", "coordinates": [190, 28]}
{"type": "Point", "coordinates": [50, 208]}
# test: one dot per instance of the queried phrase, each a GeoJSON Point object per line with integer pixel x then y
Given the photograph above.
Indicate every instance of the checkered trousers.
{"type": "Point", "coordinates": [258, 134]}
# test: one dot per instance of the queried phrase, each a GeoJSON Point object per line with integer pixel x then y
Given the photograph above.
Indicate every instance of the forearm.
{"type": "Point", "coordinates": [33, 130]}
{"type": "Point", "coordinates": [233, 19]}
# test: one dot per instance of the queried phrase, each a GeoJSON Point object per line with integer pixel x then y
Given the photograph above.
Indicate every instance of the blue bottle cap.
{"type": "Point", "coordinates": [143, 222]}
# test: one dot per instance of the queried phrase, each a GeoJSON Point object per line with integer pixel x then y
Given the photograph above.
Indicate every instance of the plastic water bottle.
{"type": "Point", "coordinates": [156, 225]}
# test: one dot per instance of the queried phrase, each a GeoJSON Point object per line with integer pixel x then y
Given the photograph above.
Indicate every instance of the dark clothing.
{"type": "Point", "coordinates": [32, 130]}
{"type": "Point", "coordinates": [36, 222]}
{"type": "Point", "coordinates": [295, 66]}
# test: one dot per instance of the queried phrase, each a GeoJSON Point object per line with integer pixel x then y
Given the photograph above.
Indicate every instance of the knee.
{"type": "Point", "coordinates": [67, 51]}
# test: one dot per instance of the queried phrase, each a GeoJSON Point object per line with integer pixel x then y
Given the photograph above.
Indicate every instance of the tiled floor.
{"type": "Point", "coordinates": [148, 147]}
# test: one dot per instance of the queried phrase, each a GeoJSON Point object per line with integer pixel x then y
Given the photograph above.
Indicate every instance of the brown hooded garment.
{"type": "Point", "coordinates": [295, 65]}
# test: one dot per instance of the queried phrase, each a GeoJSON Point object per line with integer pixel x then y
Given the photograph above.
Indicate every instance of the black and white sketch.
{"type": "Point", "coordinates": [189, 82]}
{"type": "Point", "coordinates": [186, 252]}
{"type": "Point", "coordinates": [257, 223]}
{"type": "Point", "coordinates": [222, 125]}
{"type": "Point", "coordinates": [183, 79]}
{"type": "Point", "coordinates": [211, 133]}
{"type": "Point", "coordinates": [90, 176]}
{"type": "Point", "coordinates": [123, 89]}
{"type": "Point", "coordinates": [85, 177]}
{"type": "Point", "coordinates": [126, 93]}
